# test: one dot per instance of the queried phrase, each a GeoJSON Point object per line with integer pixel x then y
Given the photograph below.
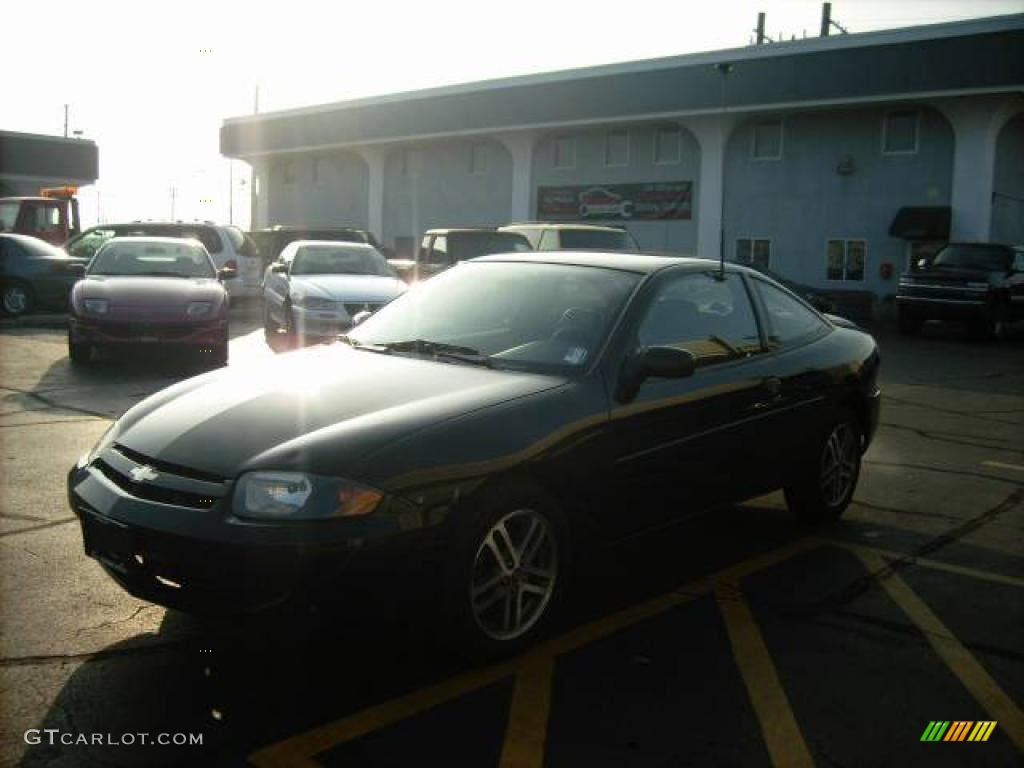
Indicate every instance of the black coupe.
{"type": "Point", "coordinates": [480, 427]}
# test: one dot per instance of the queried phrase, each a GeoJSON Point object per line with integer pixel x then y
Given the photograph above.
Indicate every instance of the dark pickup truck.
{"type": "Point", "coordinates": [979, 284]}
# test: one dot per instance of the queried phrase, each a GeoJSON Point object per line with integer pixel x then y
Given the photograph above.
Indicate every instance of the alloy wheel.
{"type": "Point", "coordinates": [839, 465]}
{"type": "Point", "coordinates": [514, 574]}
{"type": "Point", "coordinates": [15, 299]}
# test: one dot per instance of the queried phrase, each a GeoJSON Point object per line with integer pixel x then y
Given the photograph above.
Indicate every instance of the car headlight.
{"type": "Point", "coordinates": [96, 306]}
{"type": "Point", "coordinates": [300, 496]}
{"type": "Point", "coordinates": [198, 309]}
{"type": "Point", "coordinates": [313, 302]}
{"type": "Point", "coordinates": [103, 443]}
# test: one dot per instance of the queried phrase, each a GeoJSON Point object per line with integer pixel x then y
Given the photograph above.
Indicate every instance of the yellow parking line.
{"type": "Point", "coordinates": [925, 562]}
{"type": "Point", "coordinates": [782, 736]}
{"type": "Point", "coordinates": [960, 661]}
{"type": "Point", "coordinates": [531, 699]}
{"type": "Point", "coordinates": [527, 730]}
{"type": "Point", "coordinates": [1002, 465]}
{"type": "Point", "coordinates": [300, 750]}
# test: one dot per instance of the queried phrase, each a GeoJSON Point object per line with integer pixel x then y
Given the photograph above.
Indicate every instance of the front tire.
{"type": "Point", "coordinates": [509, 572]}
{"type": "Point", "coordinates": [825, 487]}
{"type": "Point", "coordinates": [79, 354]}
{"type": "Point", "coordinates": [16, 299]}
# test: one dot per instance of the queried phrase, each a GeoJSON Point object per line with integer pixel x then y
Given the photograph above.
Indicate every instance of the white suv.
{"type": "Point", "coordinates": [559, 237]}
{"type": "Point", "coordinates": [228, 246]}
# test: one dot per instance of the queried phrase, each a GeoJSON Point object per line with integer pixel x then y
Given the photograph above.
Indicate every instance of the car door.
{"type": "Point", "coordinates": [435, 257]}
{"type": "Point", "coordinates": [796, 413]}
{"type": "Point", "coordinates": [275, 286]}
{"type": "Point", "coordinates": [681, 444]}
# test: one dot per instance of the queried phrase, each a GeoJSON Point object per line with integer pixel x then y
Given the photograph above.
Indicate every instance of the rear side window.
{"type": "Point", "coordinates": [468, 245]}
{"type": "Point", "coordinates": [789, 320]}
{"type": "Point", "coordinates": [241, 242]}
{"type": "Point", "coordinates": [85, 245]}
{"type": "Point", "coordinates": [597, 239]}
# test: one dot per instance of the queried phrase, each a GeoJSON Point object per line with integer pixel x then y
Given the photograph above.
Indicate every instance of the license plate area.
{"type": "Point", "coordinates": [108, 540]}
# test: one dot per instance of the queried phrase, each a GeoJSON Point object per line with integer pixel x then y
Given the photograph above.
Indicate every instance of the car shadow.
{"type": "Point", "coordinates": [245, 684]}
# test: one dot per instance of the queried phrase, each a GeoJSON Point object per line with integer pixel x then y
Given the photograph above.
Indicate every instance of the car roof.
{"type": "Point", "coordinates": [157, 223]}
{"type": "Point", "coordinates": [561, 225]}
{"type": "Point", "coordinates": [632, 261]}
{"type": "Point", "coordinates": [332, 243]}
{"type": "Point", "coordinates": [449, 230]}
{"type": "Point", "coordinates": [152, 239]}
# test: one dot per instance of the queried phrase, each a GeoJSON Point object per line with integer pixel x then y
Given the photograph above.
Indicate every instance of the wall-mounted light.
{"type": "Point", "coordinates": [845, 166]}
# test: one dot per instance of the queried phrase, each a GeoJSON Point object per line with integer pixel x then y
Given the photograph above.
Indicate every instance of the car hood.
{"type": "Point", "coordinates": [148, 291]}
{"type": "Point", "coordinates": [352, 288]}
{"type": "Point", "coordinates": [321, 409]}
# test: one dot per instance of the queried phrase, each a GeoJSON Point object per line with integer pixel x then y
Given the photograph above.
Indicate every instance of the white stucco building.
{"type": "Point", "coordinates": [834, 160]}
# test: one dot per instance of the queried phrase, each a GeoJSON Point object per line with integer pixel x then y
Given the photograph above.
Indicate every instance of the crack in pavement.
{"type": "Point", "coordinates": [142, 649]}
{"type": "Point", "coordinates": [51, 421]}
{"type": "Point", "coordinates": [945, 471]}
{"type": "Point", "coordinates": [913, 512]}
{"type": "Point", "coordinates": [869, 580]}
{"type": "Point", "coordinates": [31, 528]}
{"type": "Point", "coordinates": [937, 437]}
{"type": "Point", "coordinates": [114, 622]}
{"type": "Point", "coordinates": [13, 516]}
{"type": "Point", "coordinates": [58, 406]}
{"type": "Point", "coordinates": [981, 415]}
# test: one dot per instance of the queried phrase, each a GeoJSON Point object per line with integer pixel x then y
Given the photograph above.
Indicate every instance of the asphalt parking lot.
{"type": "Point", "coordinates": [735, 637]}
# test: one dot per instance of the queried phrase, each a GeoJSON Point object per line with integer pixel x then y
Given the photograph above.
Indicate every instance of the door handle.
{"type": "Point", "coordinates": [773, 386]}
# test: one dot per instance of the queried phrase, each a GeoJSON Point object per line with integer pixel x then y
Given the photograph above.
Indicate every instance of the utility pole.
{"type": "Point", "coordinates": [760, 28]}
{"type": "Point", "coordinates": [174, 191]}
{"type": "Point", "coordinates": [65, 121]}
{"type": "Point", "coordinates": [827, 22]}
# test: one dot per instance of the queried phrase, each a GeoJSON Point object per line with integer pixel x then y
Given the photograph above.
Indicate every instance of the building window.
{"type": "Point", "coordinates": [478, 158]}
{"type": "Point", "coordinates": [846, 259]}
{"type": "Point", "coordinates": [616, 148]}
{"type": "Point", "coordinates": [766, 141]}
{"type": "Point", "coordinates": [754, 251]}
{"type": "Point", "coordinates": [565, 152]}
{"type": "Point", "coordinates": [899, 132]}
{"type": "Point", "coordinates": [289, 172]}
{"type": "Point", "coordinates": [666, 145]}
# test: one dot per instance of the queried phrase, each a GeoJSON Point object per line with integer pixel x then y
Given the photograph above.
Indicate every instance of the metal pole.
{"type": "Point", "coordinates": [760, 28]}
{"type": "Point", "coordinates": [173, 193]}
{"type": "Point", "coordinates": [65, 121]}
{"type": "Point", "coordinates": [724, 69]}
{"type": "Point", "coordinates": [231, 191]}
{"type": "Point", "coordinates": [826, 18]}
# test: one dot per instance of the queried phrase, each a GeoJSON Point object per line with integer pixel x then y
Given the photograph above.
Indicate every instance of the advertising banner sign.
{"type": "Point", "coordinates": [636, 202]}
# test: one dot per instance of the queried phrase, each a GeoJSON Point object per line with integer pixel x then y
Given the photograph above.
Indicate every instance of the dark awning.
{"type": "Point", "coordinates": [922, 223]}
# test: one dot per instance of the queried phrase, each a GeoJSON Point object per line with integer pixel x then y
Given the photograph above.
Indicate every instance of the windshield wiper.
{"type": "Point", "coordinates": [355, 344]}
{"type": "Point", "coordinates": [440, 350]}
{"type": "Point", "coordinates": [160, 274]}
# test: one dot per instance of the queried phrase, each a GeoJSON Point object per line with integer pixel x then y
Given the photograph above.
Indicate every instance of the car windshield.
{"type": "Point", "coordinates": [535, 317]}
{"type": "Point", "coordinates": [596, 239]}
{"type": "Point", "coordinates": [339, 260]}
{"type": "Point", "coordinates": [8, 216]}
{"type": "Point", "coordinates": [152, 259]}
{"type": "Point", "coordinates": [993, 258]}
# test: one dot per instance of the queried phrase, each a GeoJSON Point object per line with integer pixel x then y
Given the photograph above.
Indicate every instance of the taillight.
{"type": "Point", "coordinates": [231, 264]}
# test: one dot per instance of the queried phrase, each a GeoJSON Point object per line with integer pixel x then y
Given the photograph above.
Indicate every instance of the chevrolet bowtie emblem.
{"type": "Point", "coordinates": [142, 474]}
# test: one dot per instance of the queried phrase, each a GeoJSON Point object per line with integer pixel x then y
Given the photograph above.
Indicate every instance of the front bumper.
{"type": "Point", "coordinates": [320, 323]}
{"type": "Point", "coordinates": [204, 561]}
{"type": "Point", "coordinates": [208, 333]}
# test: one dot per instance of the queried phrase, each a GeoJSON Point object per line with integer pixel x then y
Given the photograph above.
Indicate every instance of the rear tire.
{"type": "Point", "coordinates": [508, 574]}
{"type": "Point", "coordinates": [824, 488]}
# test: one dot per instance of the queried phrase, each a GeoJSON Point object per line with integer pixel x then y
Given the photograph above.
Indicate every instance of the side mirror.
{"type": "Point", "coordinates": [226, 273]}
{"type": "Point", "coordinates": [360, 317]}
{"type": "Point", "coordinates": [653, 362]}
{"type": "Point", "coordinates": [923, 263]}
{"type": "Point", "coordinates": [78, 270]}
{"type": "Point", "coordinates": [279, 268]}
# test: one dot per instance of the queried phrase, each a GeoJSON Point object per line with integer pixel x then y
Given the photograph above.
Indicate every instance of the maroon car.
{"type": "Point", "coordinates": [150, 291]}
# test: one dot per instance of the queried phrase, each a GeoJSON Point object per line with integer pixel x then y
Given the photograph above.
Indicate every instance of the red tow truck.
{"type": "Point", "coordinates": [52, 216]}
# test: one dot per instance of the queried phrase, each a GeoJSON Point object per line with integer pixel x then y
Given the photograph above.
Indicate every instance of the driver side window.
{"type": "Point", "coordinates": [711, 318]}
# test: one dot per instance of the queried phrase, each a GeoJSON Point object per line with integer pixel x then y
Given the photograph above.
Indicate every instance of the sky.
{"type": "Point", "coordinates": [151, 83]}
